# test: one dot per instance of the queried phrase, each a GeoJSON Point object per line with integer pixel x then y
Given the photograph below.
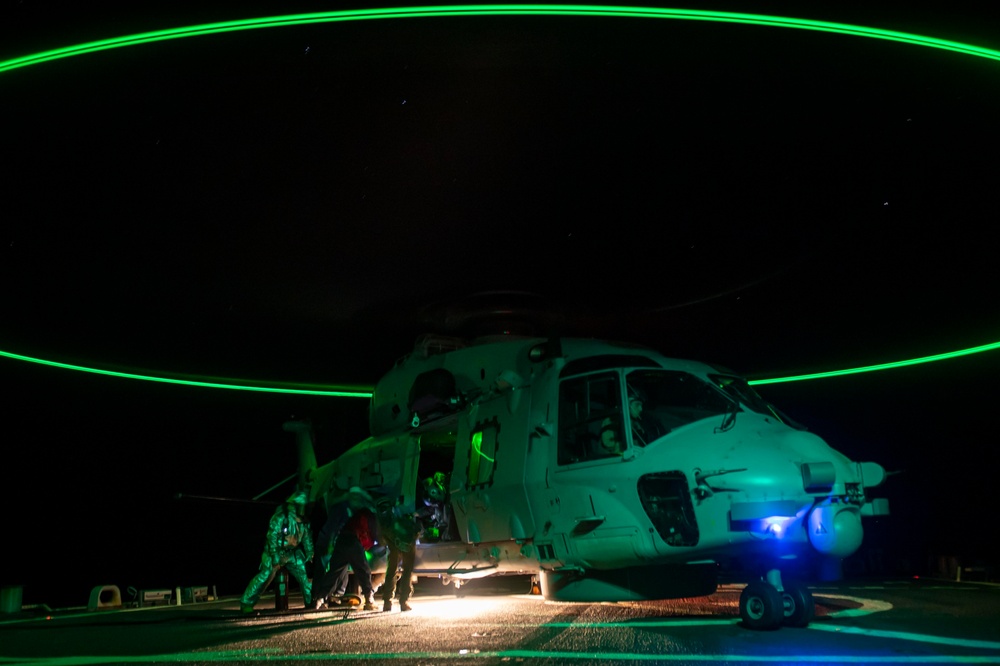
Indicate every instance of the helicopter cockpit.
{"type": "Point", "coordinates": [603, 415]}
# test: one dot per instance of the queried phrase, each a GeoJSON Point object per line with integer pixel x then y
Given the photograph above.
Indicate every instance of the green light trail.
{"type": "Point", "coordinates": [498, 10]}
{"type": "Point", "coordinates": [477, 446]}
{"type": "Point", "coordinates": [366, 392]}
{"type": "Point", "coordinates": [881, 366]}
{"type": "Point", "coordinates": [483, 10]}
{"type": "Point", "coordinates": [301, 389]}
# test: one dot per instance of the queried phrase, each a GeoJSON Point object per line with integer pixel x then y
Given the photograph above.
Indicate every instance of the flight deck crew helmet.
{"type": "Point", "coordinates": [358, 490]}
{"type": "Point", "coordinates": [360, 496]}
{"type": "Point", "coordinates": [434, 488]}
{"type": "Point", "coordinates": [384, 510]}
{"type": "Point", "coordinates": [635, 394]}
{"type": "Point", "coordinates": [299, 498]}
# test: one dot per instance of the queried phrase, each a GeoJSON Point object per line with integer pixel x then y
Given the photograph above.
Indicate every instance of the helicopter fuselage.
{"type": "Point", "coordinates": [610, 470]}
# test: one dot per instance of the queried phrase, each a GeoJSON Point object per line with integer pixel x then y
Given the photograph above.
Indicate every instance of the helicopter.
{"type": "Point", "coordinates": [605, 470]}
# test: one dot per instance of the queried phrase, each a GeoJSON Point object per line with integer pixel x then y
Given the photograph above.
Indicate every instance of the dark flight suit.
{"type": "Point", "coordinates": [337, 517]}
{"type": "Point", "coordinates": [400, 533]}
{"type": "Point", "coordinates": [354, 540]}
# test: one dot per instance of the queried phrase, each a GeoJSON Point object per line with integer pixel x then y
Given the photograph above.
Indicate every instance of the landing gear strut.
{"type": "Point", "coordinates": [768, 603]}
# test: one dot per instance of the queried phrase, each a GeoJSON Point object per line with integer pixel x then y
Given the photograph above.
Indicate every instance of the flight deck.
{"type": "Point", "coordinates": [913, 621]}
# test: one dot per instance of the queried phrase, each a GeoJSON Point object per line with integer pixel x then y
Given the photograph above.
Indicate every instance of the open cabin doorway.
{"type": "Point", "coordinates": [435, 468]}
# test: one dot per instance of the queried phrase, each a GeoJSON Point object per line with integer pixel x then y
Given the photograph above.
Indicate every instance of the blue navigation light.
{"type": "Point", "coordinates": [776, 526]}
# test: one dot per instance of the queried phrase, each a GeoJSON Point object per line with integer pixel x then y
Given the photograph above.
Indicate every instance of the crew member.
{"type": "Point", "coordinates": [399, 530]}
{"type": "Point", "coordinates": [432, 511]}
{"type": "Point", "coordinates": [357, 536]}
{"type": "Point", "coordinates": [340, 511]}
{"type": "Point", "coordinates": [635, 405]}
{"type": "Point", "coordinates": [289, 544]}
{"type": "Point", "coordinates": [611, 443]}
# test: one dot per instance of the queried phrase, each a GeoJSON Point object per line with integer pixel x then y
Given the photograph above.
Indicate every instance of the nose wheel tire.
{"type": "Point", "coordinates": [761, 606]}
{"type": "Point", "coordinates": [798, 605]}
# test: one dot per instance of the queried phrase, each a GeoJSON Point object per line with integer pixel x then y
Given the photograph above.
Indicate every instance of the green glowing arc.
{"type": "Point", "coordinates": [881, 366]}
{"type": "Point", "coordinates": [483, 10]}
{"type": "Point", "coordinates": [498, 10]}
{"type": "Point", "coordinates": [235, 384]}
{"type": "Point", "coordinates": [366, 392]}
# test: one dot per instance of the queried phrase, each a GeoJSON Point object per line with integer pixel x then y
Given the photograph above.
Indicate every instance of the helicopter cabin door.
{"type": "Point", "coordinates": [592, 445]}
{"type": "Point", "coordinates": [488, 484]}
{"type": "Point", "coordinates": [591, 424]}
{"type": "Point", "coordinates": [431, 471]}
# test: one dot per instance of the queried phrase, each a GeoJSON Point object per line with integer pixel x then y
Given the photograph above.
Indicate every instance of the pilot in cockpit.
{"type": "Point", "coordinates": [611, 443]}
{"type": "Point", "coordinates": [635, 401]}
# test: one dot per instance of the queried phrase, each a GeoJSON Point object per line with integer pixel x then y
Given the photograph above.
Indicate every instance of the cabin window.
{"type": "Point", "coordinates": [667, 501]}
{"type": "Point", "coordinates": [590, 421]}
{"type": "Point", "coordinates": [482, 453]}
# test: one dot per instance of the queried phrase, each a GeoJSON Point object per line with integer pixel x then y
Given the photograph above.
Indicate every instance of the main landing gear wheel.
{"type": "Point", "coordinates": [761, 606]}
{"type": "Point", "coordinates": [799, 607]}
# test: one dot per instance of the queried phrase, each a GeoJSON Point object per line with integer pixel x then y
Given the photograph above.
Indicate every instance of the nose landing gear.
{"type": "Point", "coordinates": [799, 607]}
{"type": "Point", "coordinates": [768, 603]}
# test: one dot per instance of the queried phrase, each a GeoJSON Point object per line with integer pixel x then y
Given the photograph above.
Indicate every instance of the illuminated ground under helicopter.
{"type": "Point", "coordinates": [549, 473]}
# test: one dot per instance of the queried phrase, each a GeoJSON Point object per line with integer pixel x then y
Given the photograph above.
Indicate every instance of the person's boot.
{"type": "Point", "coordinates": [387, 606]}
{"type": "Point", "coordinates": [403, 606]}
{"type": "Point", "coordinates": [370, 601]}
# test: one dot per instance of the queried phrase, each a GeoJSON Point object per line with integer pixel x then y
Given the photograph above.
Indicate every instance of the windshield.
{"type": "Point", "coordinates": [738, 389]}
{"type": "Point", "coordinates": [670, 399]}
{"type": "Point", "coordinates": [598, 420]}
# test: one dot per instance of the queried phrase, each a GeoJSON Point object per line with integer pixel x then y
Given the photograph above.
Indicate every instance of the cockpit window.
{"type": "Point", "coordinates": [598, 420]}
{"type": "Point", "coordinates": [670, 399]}
{"type": "Point", "coordinates": [590, 418]}
{"type": "Point", "coordinates": [738, 389]}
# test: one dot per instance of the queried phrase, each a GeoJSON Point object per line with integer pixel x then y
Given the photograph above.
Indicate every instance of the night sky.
{"type": "Point", "coordinates": [299, 204]}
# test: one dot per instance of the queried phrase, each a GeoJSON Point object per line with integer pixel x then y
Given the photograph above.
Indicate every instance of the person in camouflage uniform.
{"type": "Point", "coordinates": [290, 545]}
